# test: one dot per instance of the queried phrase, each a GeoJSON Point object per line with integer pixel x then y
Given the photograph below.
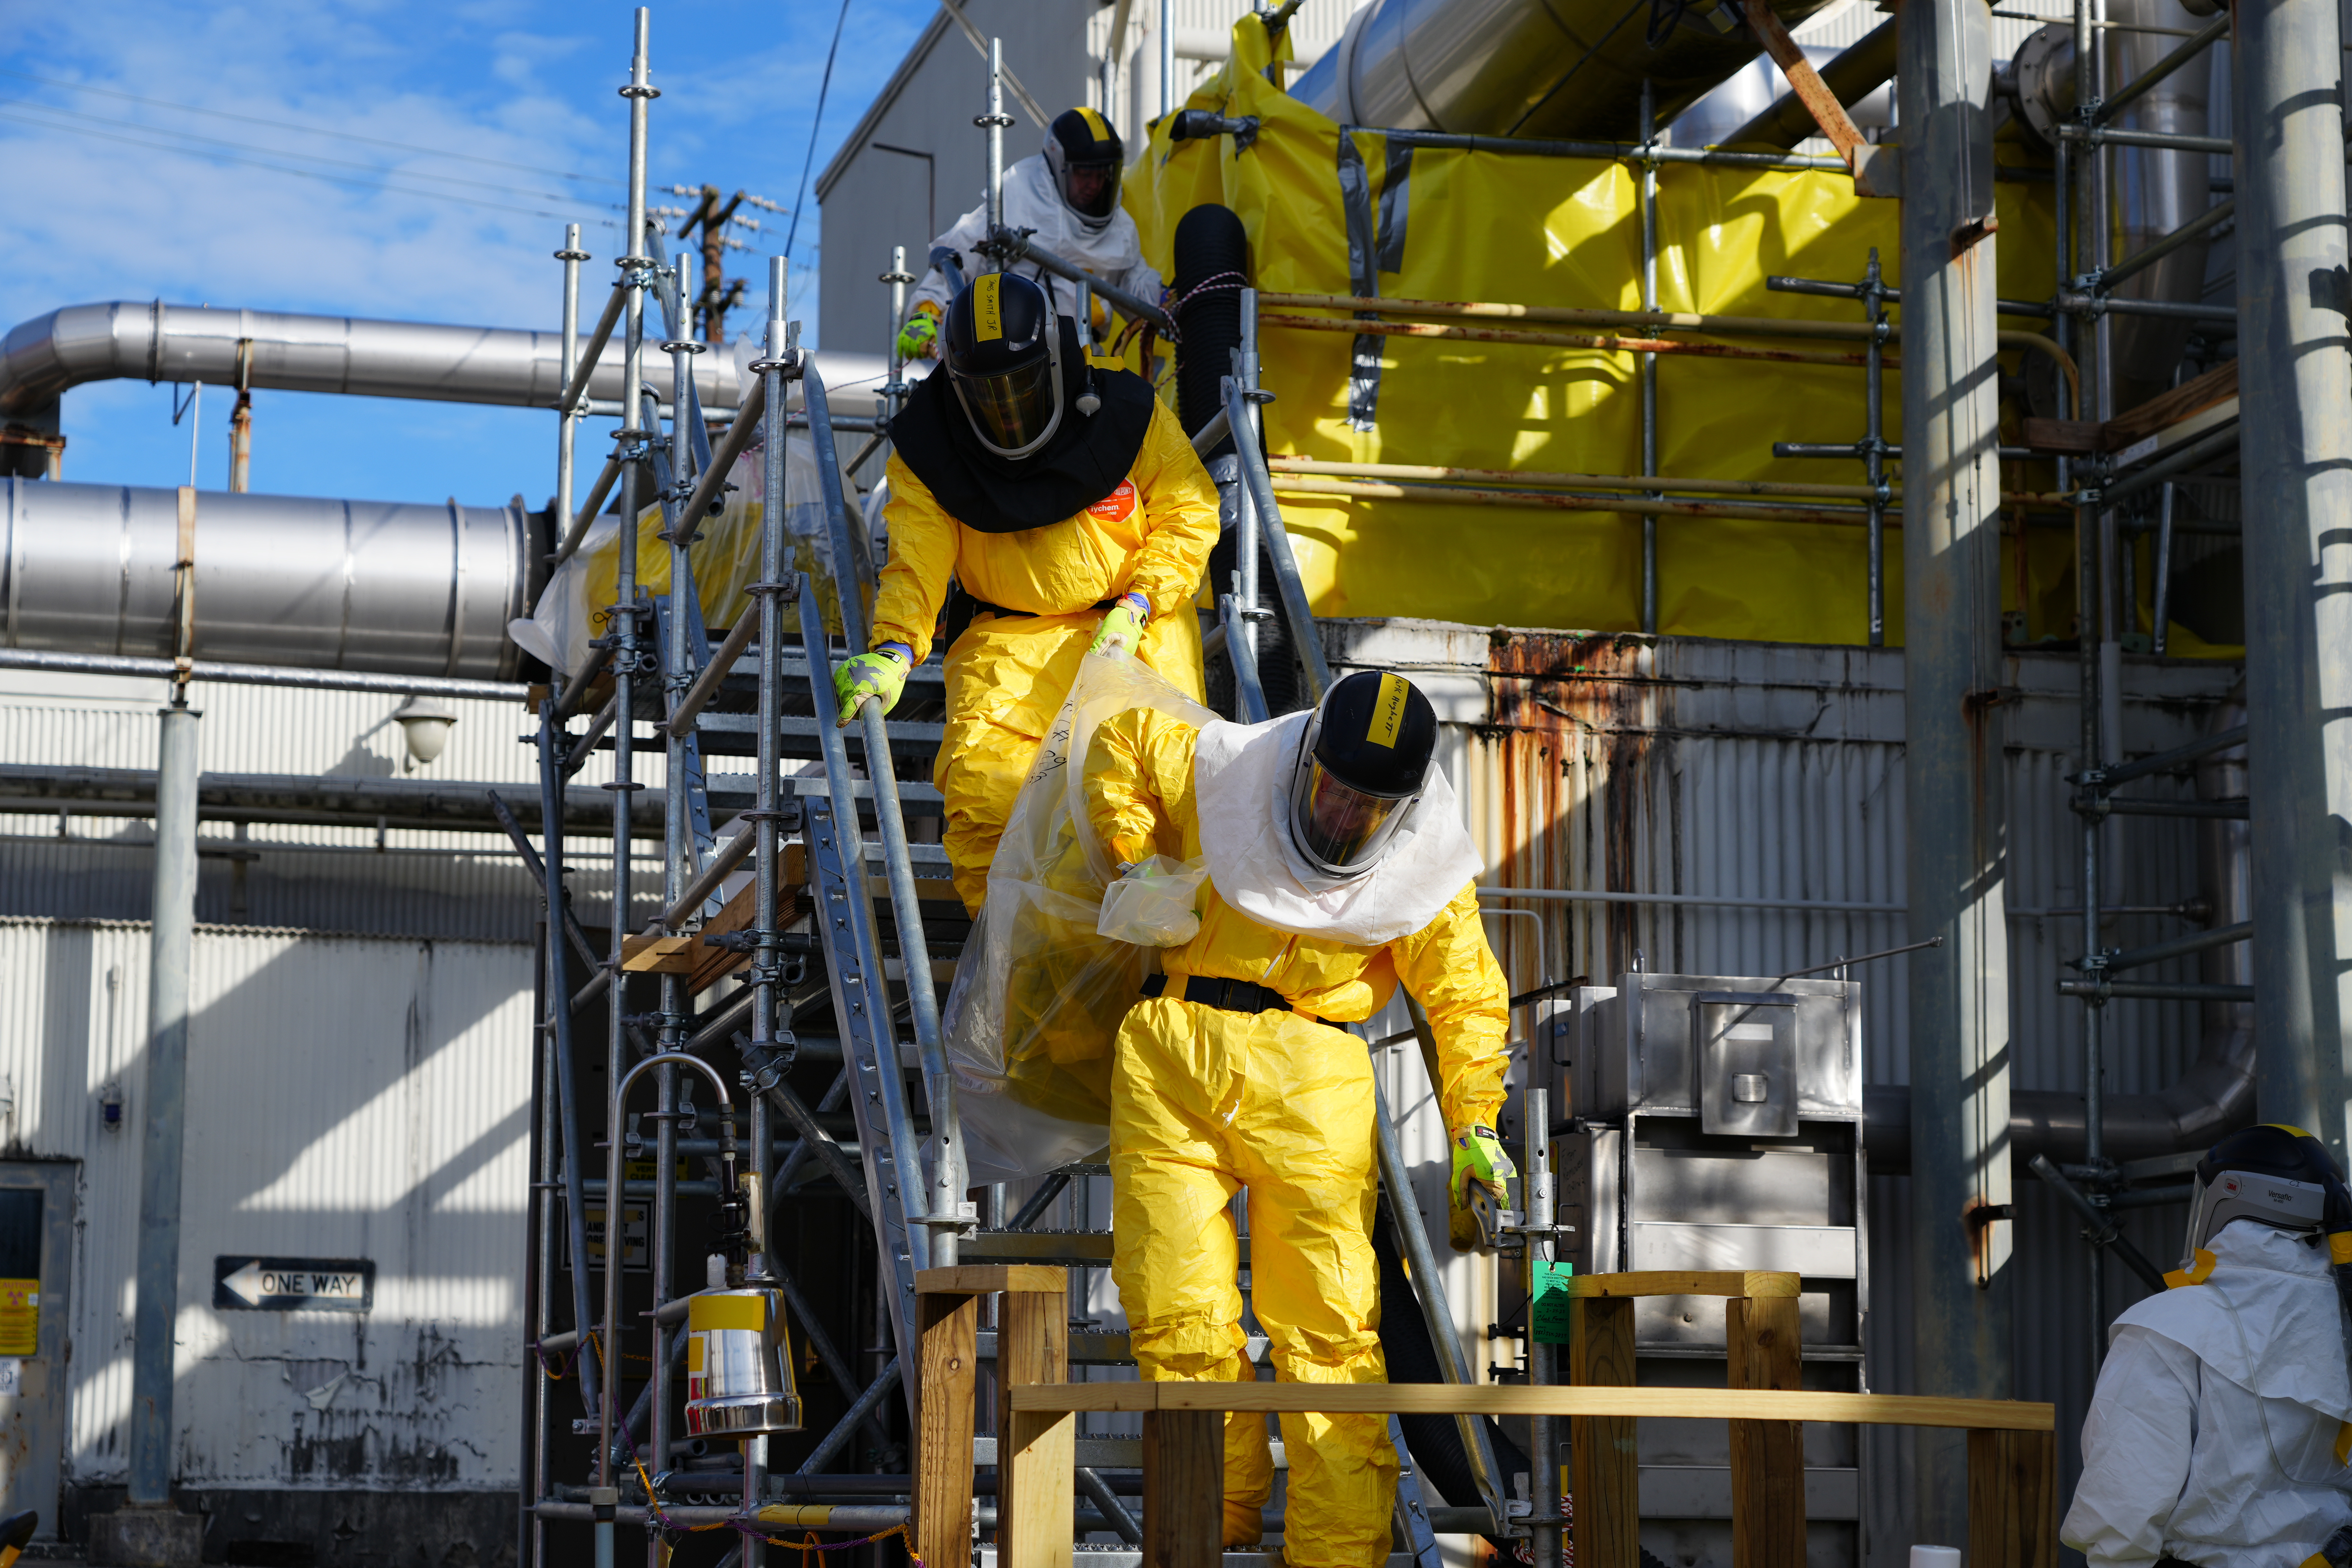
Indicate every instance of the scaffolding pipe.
{"type": "Point", "coordinates": [1959, 1013]}
{"type": "Point", "coordinates": [171, 949]}
{"type": "Point", "coordinates": [561, 931]}
{"type": "Point", "coordinates": [1304, 640]}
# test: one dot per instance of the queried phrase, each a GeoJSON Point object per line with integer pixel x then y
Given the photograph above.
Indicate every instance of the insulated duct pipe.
{"type": "Point", "coordinates": [320, 584]}
{"type": "Point", "coordinates": [1562, 69]}
{"type": "Point", "coordinates": [2156, 191]}
{"type": "Point", "coordinates": [128, 340]}
{"type": "Point", "coordinates": [2215, 1096]}
{"type": "Point", "coordinates": [1858, 70]}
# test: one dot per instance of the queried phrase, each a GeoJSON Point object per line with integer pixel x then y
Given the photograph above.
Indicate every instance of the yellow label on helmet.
{"type": "Point", "coordinates": [1387, 710]}
{"type": "Point", "coordinates": [1094, 126]}
{"type": "Point", "coordinates": [988, 307]}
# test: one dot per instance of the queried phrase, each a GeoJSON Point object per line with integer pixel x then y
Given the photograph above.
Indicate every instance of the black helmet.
{"type": "Point", "coordinates": [1362, 762]}
{"type": "Point", "coordinates": [1003, 356]}
{"type": "Point", "coordinates": [2273, 1174]}
{"type": "Point", "coordinates": [1083, 154]}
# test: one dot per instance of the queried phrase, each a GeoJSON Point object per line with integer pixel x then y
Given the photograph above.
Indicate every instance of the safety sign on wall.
{"type": "Point", "coordinates": [243, 1282]}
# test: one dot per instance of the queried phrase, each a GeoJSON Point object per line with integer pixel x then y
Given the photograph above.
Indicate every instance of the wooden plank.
{"type": "Point", "coordinates": [1183, 1488]}
{"type": "Point", "coordinates": [712, 964]}
{"type": "Point", "coordinates": [2074, 438]}
{"type": "Point", "coordinates": [1442, 1399]}
{"type": "Point", "coordinates": [1768, 1458]}
{"type": "Point", "coordinates": [2012, 1499]}
{"type": "Point", "coordinates": [945, 1390]}
{"type": "Point", "coordinates": [659, 954]}
{"type": "Point", "coordinates": [1036, 1485]}
{"type": "Point", "coordinates": [984, 1278]}
{"type": "Point", "coordinates": [2186, 401]}
{"type": "Point", "coordinates": [1685, 1282]}
{"type": "Point", "coordinates": [1603, 1455]}
{"type": "Point", "coordinates": [1033, 1346]}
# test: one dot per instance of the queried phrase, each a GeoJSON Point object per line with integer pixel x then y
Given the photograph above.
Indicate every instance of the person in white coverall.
{"type": "Point", "coordinates": [1069, 194]}
{"type": "Point", "coordinates": [2222, 1420]}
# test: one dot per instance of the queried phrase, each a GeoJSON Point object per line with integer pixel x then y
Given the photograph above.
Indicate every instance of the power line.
{"type": "Point", "coordinates": [8, 113]}
{"type": "Point", "coordinates": [307, 129]}
{"type": "Point", "coordinates": [180, 136]}
{"type": "Point", "coordinates": [822, 86]}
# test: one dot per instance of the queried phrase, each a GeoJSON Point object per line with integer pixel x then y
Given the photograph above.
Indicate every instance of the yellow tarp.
{"type": "Point", "coordinates": [1566, 232]}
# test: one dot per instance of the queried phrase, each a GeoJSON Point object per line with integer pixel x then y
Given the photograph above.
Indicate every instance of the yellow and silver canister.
{"type": "Point", "coordinates": [738, 1365]}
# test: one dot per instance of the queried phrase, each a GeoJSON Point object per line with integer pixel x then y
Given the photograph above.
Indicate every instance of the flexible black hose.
{"type": "Point", "coordinates": [1210, 247]}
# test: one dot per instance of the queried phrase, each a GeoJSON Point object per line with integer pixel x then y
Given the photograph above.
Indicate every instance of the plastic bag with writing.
{"type": "Point", "coordinates": [1157, 904]}
{"type": "Point", "coordinates": [1041, 991]}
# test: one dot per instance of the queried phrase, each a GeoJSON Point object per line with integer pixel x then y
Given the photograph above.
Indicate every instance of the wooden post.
{"type": "Point", "coordinates": [945, 1389]}
{"type": "Point", "coordinates": [1037, 1487]}
{"type": "Point", "coordinates": [2012, 1499]}
{"type": "Point", "coordinates": [1608, 1480]}
{"type": "Point", "coordinates": [1183, 1488]}
{"type": "Point", "coordinates": [1768, 1458]}
{"type": "Point", "coordinates": [1033, 1346]}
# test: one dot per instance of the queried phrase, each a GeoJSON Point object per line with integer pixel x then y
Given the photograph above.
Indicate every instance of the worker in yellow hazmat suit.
{"type": "Point", "coordinates": [1067, 502]}
{"type": "Point", "coordinates": [1336, 868]}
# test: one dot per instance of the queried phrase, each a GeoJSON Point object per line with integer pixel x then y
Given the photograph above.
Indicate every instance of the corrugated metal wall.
{"type": "Point", "coordinates": [347, 1098]}
{"type": "Point", "coordinates": [1775, 771]}
{"type": "Point", "coordinates": [403, 882]}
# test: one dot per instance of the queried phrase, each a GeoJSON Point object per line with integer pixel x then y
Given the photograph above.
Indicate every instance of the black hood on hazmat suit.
{"type": "Point", "coordinates": [1087, 459]}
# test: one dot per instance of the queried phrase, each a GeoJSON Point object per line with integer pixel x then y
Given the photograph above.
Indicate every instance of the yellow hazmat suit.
{"type": "Point", "coordinates": [1207, 1101]}
{"type": "Point", "coordinates": [1007, 675]}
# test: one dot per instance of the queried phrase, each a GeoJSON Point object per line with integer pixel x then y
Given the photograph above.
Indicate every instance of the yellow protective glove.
{"type": "Point", "coordinates": [919, 339]}
{"type": "Point", "coordinates": [1479, 1157]}
{"type": "Point", "coordinates": [881, 674]}
{"type": "Point", "coordinates": [1122, 625]}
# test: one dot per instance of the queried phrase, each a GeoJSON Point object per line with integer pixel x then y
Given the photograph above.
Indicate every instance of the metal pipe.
{"type": "Point", "coordinates": [1281, 466]}
{"type": "Point", "coordinates": [1543, 1359]}
{"type": "Point", "coordinates": [579, 372]}
{"type": "Point", "coordinates": [997, 122]}
{"type": "Point", "coordinates": [1246, 525]}
{"type": "Point", "coordinates": [561, 930]}
{"type": "Point", "coordinates": [1105, 1501]}
{"type": "Point", "coordinates": [1649, 505]}
{"type": "Point", "coordinates": [1959, 1036]}
{"type": "Point", "coordinates": [567, 428]}
{"type": "Point", "coordinates": [1249, 693]}
{"type": "Point", "coordinates": [2204, 450]}
{"type": "Point", "coordinates": [633, 268]}
{"type": "Point", "coordinates": [1167, 41]}
{"type": "Point", "coordinates": [2189, 232]}
{"type": "Point", "coordinates": [1656, 321]}
{"type": "Point", "coordinates": [851, 1419]}
{"type": "Point", "coordinates": [1610, 342]}
{"type": "Point", "coordinates": [853, 569]}
{"type": "Point", "coordinates": [2102, 1232]}
{"type": "Point", "coordinates": [1874, 435]}
{"type": "Point", "coordinates": [211, 671]}
{"type": "Point", "coordinates": [1647, 365]}
{"type": "Point", "coordinates": [2153, 991]}
{"type": "Point", "coordinates": [2160, 594]}
{"type": "Point", "coordinates": [2198, 42]}
{"type": "Point", "coordinates": [575, 531]}
{"type": "Point", "coordinates": [1860, 69]}
{"type": "Point", "coordinates": [1016, 246]}
{"type": "Point", "coordinates": [394, 589]}
{"type": "Point", "coordinates": [2116, 138]}
{"type": "Point", "coordinates": [707, 684]}
{"type": "Point", "coordinates": [170, 948]}
{"type": "Point", "coordinates": [1304, 640]}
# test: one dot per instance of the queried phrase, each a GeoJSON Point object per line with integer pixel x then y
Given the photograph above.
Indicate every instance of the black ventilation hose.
{"type": "Point", "coordinates": [1210, 240]}
{"type": "Point", "coordinates": [1435, 1440]}
{"type": "Point", "coordinates": [1278, 674]}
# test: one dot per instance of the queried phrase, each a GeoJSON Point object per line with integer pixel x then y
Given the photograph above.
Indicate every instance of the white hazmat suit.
{"type": "Point", "coordinates": [1112, 251]}
{"type": "Point", "coordinates": [2214, 1433]}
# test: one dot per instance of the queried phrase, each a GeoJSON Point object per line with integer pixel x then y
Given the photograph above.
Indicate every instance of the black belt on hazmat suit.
{"type": "Point", "coordinates": [1232, 995]}
{"type": "Point", "coordinates": [963, 608]}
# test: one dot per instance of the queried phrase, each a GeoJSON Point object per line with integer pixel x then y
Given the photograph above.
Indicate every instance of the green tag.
{"type": "Point", "coordinates": [1553, 1312]}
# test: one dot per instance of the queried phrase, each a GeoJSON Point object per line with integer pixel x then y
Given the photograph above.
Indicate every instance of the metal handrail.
{"type": "Point", "coordinates": [585, 367]}
{"type": "Point", "coordinates": [1011, 245]}
{"type": "Point", "coordinates": [853, 574]}
{"type": "Point", "coordinates": [1296, 616]}
{"type": "Point", "coordinates": [1246, 685]}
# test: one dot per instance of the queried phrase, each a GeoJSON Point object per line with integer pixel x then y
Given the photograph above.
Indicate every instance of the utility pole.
{"type": "Point", "coordinates": [718, 295]}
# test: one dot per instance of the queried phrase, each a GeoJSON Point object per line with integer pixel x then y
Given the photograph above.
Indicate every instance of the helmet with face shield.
{"type": "Point", "coordinates": [1362, 760]}
{"type": "Point", "coordinates": [1004, 357]}
{"type": "Point", "coordinates": [2274, 1174]}
{"type": "Point", "coordinates": [1083, 154]}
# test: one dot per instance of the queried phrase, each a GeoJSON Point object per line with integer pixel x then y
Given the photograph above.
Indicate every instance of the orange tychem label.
{"type": "Point", "coordinates": [1118, 506]}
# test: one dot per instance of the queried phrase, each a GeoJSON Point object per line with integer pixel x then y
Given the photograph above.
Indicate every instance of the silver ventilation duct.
{"type": "Point", "coordinates": [1564, 68]}
{"type": "Point", "coordinates": [2154, 192]}
{"type": "Point", "coordinates": [320, 584]}
{"type": "Point", "coordinates": [44, 357]}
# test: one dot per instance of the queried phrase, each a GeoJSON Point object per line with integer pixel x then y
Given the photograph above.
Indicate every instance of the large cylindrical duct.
{"type": "Point", "coordinates": [145, 340]}
{"type": "Point", "coordinates": [1530, 68]}
{"type": "Point", "coordinates": [2154, 190]}
{"type": "Point", "coordinates": [322, 585]}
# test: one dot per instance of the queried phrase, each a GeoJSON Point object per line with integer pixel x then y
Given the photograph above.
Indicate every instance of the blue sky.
{"type": "Point", "coordinates": [160, 149]}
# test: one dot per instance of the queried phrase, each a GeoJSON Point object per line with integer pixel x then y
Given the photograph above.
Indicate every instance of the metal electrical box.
{"type": "Point", "coordinates": [1716, 1122]}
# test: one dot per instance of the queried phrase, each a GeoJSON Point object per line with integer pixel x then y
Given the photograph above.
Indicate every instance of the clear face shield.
{"type": "Point", "coordinates": [1340, 829]}
{"type": "Point", "coordinates": [1091, 190]}
{"type": "Point", "coordinates": [1018, 412]}
{"type": "Point", "coordinates": [2249, 1194]}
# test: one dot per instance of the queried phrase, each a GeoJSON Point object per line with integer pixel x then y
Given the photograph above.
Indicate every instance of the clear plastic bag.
{"type": "Point", "coordinates": [1041, 991]}
{"type": "Point", "coordinates": [1158, 908]}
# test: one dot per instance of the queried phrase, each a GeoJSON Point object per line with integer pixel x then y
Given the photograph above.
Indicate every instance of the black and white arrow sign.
{"type": "Point", "coordinates": [243, 1282]}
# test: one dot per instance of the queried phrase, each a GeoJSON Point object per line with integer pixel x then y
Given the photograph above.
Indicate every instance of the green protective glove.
{"type": "Point", "coordinates": [1478, 1157]}
{"type": "Point", "coordinates": [881, 674]}
{"type": "Point", "coordinates": [1122, 625]}
{"type": "Point", "coordinates": [921, 330]}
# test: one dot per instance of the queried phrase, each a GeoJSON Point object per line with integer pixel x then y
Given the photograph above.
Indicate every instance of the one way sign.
{"type": "Point", "coordinates": [242, 1282]}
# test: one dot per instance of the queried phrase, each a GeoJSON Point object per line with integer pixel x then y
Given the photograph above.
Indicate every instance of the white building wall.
{"type": "Point", "coordinates": [347, 1098]}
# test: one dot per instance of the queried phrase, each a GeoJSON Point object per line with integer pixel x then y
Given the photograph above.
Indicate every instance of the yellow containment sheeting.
{"type": "Point", "coordinates": [1443, 224]}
